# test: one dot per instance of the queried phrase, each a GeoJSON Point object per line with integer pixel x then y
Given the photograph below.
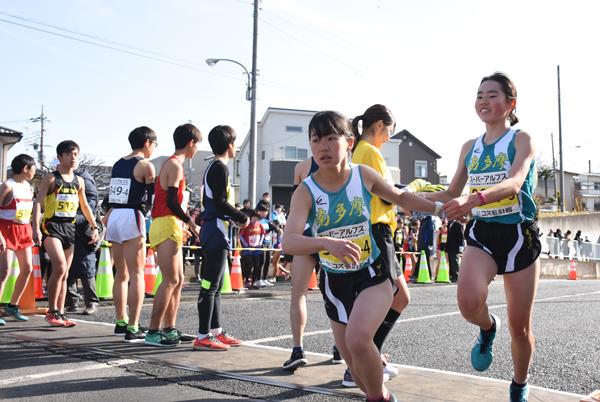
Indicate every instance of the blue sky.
{"type": "Point", "coordinates": [422, 59]}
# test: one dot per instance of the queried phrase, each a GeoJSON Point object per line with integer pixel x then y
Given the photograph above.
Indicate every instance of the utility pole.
{"type": "Point", "coordinates": [560, 149]}
{"type": "Point", "coordinates": [554, 165]}
{"type": "Point", "coordinates": [41, 118]}
{"type": "Point", "coordinates": [252, 151]}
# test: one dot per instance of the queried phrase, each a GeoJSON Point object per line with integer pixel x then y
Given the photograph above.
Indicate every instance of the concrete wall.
{"type": "Point", "coordinates": [588, 223]}
{"type": "Point", "coordinates": [559, 269]}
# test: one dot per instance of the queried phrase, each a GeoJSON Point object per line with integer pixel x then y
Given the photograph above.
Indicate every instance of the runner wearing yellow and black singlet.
{"type": "Point", "coordinates": [60, 194]}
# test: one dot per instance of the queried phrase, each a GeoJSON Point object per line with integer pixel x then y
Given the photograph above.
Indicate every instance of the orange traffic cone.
{"type": "Point", "coordinates": [572, 271]}
{"type": "Point", "coordinates": [312, 283]}
{"type": "Point", "coordinates": [33, 290]}
{"type": "Point", "coordinates": [237, 283]}
{"type": "Point", "coordinates": [37, 273]}
{"type": "Point", "coordinates": [408, 267]}
{"type": "Point", "coordinates": [149, 272]}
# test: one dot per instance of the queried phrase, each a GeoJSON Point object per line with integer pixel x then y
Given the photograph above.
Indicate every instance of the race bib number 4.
{"type": "Point", "coordinates": [357, 234]}
{"type": "Point", "coordinates": [66, 205]}
{"type": "Point", "coordinates": [119, 190]}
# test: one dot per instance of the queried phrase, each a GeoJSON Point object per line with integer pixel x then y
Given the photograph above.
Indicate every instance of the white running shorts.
{"type": "Point", "coordinates": [125, 224]}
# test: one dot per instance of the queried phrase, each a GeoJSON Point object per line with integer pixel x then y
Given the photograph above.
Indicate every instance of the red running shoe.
{"type": "Point", "coordinates": [68, 323]}
{"type": "Point", "coordinates": [210, 343]}
{"type": "Point", "coordinates": [54, 319]}
{"type": "Point", "coordinates": [227, 339]}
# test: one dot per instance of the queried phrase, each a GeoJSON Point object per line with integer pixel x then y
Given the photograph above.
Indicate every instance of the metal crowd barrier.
{"type": "Point", "coordinates": [554, 247]}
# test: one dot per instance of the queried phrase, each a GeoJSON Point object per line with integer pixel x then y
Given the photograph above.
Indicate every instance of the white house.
{"type": "Point", "coordinates": [8, 138]}
{"type": "Point", "coordinates": [282, 141]}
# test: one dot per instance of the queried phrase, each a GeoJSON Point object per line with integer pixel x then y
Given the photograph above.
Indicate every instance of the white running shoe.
{"type": "Point", "coordinates": [388, 368]}
{"type": "Point", "coordinates": [348, 381]}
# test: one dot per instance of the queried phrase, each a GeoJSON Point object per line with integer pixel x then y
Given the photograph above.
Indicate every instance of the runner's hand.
{"type": "Point", "coordinates": [186, 233]}
{"type": "Point", "coordinates": [458, 208]}
{"type": "Point", "coordinates": [94, 236]}
{"type": "Point", "coordinates": [195, 229]}
{"type": "Point", "coordinates": [37, 236]}
{"type": "Point", "coordinates": [344, 250]}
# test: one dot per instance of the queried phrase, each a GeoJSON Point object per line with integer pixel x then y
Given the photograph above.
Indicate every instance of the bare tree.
{"type": "Point", "coordinates": [98, 169]}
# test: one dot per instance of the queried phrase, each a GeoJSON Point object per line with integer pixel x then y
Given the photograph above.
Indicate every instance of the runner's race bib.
{"type": "Point", "coordinates": [254, 240]}
{"type": "Point", "coordinates": [66, 205]}
{"type": "Point", "coordinates": [483, 181]}
{"type": "Point", "coordinates": [119, 190]}
{"type": "Point", "coordinates": [23, 212]}
{"type": "Point", "coordinates": [357, 234]}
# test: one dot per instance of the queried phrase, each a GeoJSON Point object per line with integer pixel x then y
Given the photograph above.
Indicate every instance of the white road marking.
{"type": "Point", "coordinates": [257, 344]}
{"type": "Point", "coordinates": [99, 366]}
{"type": "Point", "coordinates": [424, 317]}
{"type": "Point", "coordinates": [249, 344]}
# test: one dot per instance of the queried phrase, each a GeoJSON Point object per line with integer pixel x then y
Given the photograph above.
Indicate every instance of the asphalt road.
{"type": "Point", "coordinates": [430, 334]}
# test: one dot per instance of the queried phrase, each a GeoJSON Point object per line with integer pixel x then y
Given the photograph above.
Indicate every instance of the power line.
{"type": "Point", "coordinates": [350, 66]}
{"type": "Point", "coordinates": [154, 56]}
{"type": "Point", "coordinates": [138, 54]}
{"type": "Point", "coordinates": [14, 121]}
{"type": "Point", "coordinates": [317, 31]}
{"type": "Point", "coordinates": [96, 38]}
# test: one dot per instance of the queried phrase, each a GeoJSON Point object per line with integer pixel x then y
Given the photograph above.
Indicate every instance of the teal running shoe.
{"type": "Point", "coordinates": [14, 311]}
{"type": "Point", "coordinates": [174, 333]}
{"type": "Point", "coordinates": [159, 339]}
{"type": "Point", "coordinates": [519, 394]}
{"type": "Point", "coordinates": [482, 354]}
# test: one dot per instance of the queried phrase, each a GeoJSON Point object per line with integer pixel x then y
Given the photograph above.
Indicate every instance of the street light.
{"type": "Point", "coordinates": [250, 96]}
{"type": "Point", "coordinates": [212, 62]}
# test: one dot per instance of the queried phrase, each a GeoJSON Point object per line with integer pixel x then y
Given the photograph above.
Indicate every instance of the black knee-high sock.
{"type": "Point", "coordinates": [385, 328]}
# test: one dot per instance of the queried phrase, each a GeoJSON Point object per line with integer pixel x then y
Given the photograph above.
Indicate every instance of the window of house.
{"type": "Point", "coordinates": [262, 153]}
{"type": "Point", "coordinates": [421, 169]}
{"type": "Point", "coordinates": [596, 205]}
{"type": "Point", "coordinates": [597, 185]}
{"type": "Point", "coordinates": [295, 153]}
{"type": "Point", "coordinates": [290, 152]}
{"type": "Point", "coordinates": [293, 129]}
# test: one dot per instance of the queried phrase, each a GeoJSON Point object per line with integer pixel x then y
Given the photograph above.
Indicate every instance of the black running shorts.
{"type": "Point", "coordinates": [512, 246]}
{"type": "Point", "coordinates": [341, 290]}
{"type": "Point", "coordinates": [63, 231]}
{"type": "Point", "coordinates": [384, 238]}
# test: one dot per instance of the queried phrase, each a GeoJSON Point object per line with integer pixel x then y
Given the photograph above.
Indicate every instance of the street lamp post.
{"type": "Point", "coordinates": [250, 96]}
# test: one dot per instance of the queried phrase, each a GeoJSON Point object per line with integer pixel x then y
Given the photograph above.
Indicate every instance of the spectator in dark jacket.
{"type": "Point", "coordinates": [264, 202]}
{"type": "Point", "coordinates": [83, 266]}
{"type": "Point", "coordinates": [454, 246]}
